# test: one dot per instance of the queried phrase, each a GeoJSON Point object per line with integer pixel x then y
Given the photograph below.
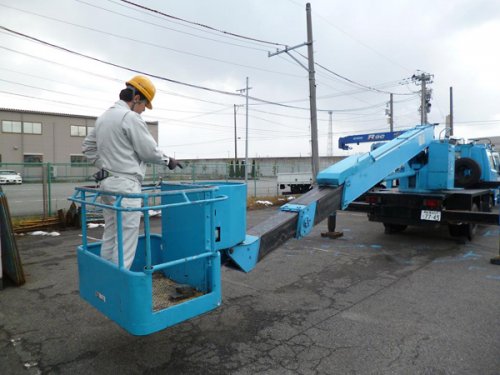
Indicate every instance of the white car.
{"type": "Point", "coordinates": [10, 177]}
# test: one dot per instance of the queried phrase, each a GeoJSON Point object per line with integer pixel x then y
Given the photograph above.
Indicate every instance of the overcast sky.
{"type": "Point", "coordinates": [377, 45]}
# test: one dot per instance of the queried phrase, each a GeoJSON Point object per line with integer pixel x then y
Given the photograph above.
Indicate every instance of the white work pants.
{"type": "Point", "coordinates": [130, 220]}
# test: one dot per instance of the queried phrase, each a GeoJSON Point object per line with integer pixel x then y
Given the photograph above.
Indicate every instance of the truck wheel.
{"type": "Point", "coordinates": [455, 230]}
{"type": "Point", "coordinates": [394, 228]}
{"type": "Point", "coordinates": [470, 228]}
{"type": "Point", "coordinates": [490, 204]}
{"type": "Point", "coordinates": [466, 229]}
{"type": "Point", "coordinates": [467, 172]}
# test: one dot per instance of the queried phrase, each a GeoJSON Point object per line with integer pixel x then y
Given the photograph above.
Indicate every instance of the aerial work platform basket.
{"type": "Point", "coordinates": [175, 274]}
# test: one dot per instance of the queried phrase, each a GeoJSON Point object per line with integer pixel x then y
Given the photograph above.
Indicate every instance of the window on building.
{"type": "Point", "coordinates": [78, 159]}
{"type": "Point", "coordinates": [78, 131]}
{"type": "Point", "coordinates": [33, 158]}
{"type": "Point", "coordinates": [11, 126]}
{"type": "Point", "coordinates": [32, 128]}
{"type": "Point", "coordinates": [21, 127]}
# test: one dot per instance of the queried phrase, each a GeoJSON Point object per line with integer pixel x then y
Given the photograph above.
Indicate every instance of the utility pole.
{"type": "Point", "coordinates": [312, 97]}
{"type": "Point", "coordinates": [391, 109]}
{"type": "Point", "coordinates": [330, 135]}
{"type": "Point", "coordinates": [451, 111]}
{"type": "Point", "coordinates": [312, 89]}
{"type": "Point", "coordinates": [246, 132]}
{"type": "Point", "coordinates": [246, 127]}
{"type": "Point", "coordinates": [425, 94]}
{"type": "Point", "coordinates": [235, 139]}
{"type": "Point", "coordinates": [423, 112]}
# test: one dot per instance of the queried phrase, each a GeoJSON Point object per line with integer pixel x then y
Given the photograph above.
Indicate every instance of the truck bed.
{"type": "Point", "coordinates": [429, 209]}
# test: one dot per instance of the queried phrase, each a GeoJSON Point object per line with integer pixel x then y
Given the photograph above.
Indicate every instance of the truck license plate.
{"type": "Point", "coordinates": [430, 215]}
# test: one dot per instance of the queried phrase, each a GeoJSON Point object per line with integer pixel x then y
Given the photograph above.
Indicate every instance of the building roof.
{"type": "Point", "coordinates": [31, 112]}
{"type": "Point", "coordinates": [28, 111]}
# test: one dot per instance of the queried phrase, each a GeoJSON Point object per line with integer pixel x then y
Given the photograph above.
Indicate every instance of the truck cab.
{"type": "Point", "coordinates": [496, 160]}
{"type": "Point", "coordinates": [484, 155]}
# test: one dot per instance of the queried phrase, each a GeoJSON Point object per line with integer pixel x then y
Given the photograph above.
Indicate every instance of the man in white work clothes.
{"type": "Point", "coordinates": [120, 145]}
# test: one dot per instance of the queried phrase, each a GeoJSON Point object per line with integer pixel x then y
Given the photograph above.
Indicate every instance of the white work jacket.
{"type": "Point", "coordinates": [121, 143]}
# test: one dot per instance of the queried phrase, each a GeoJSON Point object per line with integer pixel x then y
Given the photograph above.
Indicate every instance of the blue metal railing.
{"type": "Point", "coordinates": [86, 196]}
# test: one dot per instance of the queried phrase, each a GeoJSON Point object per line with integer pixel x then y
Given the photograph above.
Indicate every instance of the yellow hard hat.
{"type": "Point", "coordinates": [145, 86]}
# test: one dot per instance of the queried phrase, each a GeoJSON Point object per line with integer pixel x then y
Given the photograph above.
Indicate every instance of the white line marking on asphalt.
{"type": "Point", "coordinates": [90, 238]}
{"type": "Point", "coordinates": [315, 248]}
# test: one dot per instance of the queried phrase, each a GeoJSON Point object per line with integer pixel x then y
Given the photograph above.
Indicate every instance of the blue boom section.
{"type": "Point", "coordinates": [358, 173]}
{"type": "Point", "coordinates": [362, 138]}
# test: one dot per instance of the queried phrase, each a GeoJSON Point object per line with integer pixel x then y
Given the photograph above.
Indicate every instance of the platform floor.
{"type": "Point", "coordinates": [418, 302]}
{"type": "Point", "coordinates": [167, 293]}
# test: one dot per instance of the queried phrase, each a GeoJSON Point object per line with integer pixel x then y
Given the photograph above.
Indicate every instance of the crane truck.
{"type": "Point", "coordinates": [473, 172]}
{"type": "Point", "coordinates": [176, 274]}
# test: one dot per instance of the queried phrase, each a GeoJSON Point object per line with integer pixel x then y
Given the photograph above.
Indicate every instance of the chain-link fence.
{"type": "Point", "coordinates": [46, 186]}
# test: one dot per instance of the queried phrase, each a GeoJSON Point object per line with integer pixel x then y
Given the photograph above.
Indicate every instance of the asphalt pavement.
{"type": "Point", "coordinates": [419, 302]}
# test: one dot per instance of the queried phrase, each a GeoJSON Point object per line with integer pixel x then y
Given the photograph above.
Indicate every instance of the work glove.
{"type": "Point", "coordinates": [172, 163]}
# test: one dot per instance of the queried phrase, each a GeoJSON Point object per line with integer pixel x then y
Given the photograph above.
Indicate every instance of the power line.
{"type": "Point", "coordinates": [485, 122]}
{"type": "Point", "coordinates": [200, 143]}
{"type": "Point", "coordinates": [154, 44]}
{"type": "Point", "coordinates": [206, 113]}
{"type": "Point", "coordinates": [234, 94]}
{"type": "Point", "coordinates": [202, 125]}
{"type": "Point", "coordinates": [170, 28]}
{"type": "Point", "coordinates": [211, 125]}
{"type": "Point", "coordinates": [188, 26]}
{"type": "Point", "coordinates": [358, 89]}
{"type": "Point", "coordinates": [99, 75]}
{"type": "Point", "coordinates": [117, 65]}
{"type": "Point", "coordinates": [169, 93]}
{"type": "Point", "coordinates": [338, 133]}
{"type": "Point", "coordinates": [288, 127]}
{"type": "Point", "coordinates": [49, 100]}
{"type": "Point", "coordinates": [259, 40]}
{"type": "Point", "coordinates": [49, 90]}
{"type": "Point", "coordinates": [60, 64]}
{"type": "Point", "coordinates": [360, 42]}
{"type": "Point", "coordinates": [196, 113]}
{"type": "Point", "coordinates": [330, 110]}
{"type": "Point", "coordinates": [203, 25]}
{"type": "Point", "coordinates": [184, 120]}
{"type": "Point", "coordinates": [350, 80]}
{"type": "Point", "coordinates": [280, 114]}
{"type": "Point", "coordinates": [322, 135]}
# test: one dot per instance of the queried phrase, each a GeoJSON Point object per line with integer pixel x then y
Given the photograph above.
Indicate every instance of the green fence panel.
{"type": "Point", "coordinates": [35, 197]}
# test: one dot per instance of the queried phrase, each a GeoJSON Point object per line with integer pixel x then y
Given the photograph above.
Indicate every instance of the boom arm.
{"type": "Point", "coordinates": [339, 185]}
{"type": "Point", "coordinates": [362, 138]}
{"type": "Point", "coordinates": [358, 174]}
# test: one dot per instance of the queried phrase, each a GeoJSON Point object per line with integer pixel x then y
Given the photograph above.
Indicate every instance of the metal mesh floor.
{"type": "Point", "coordinates": [167, 293]}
